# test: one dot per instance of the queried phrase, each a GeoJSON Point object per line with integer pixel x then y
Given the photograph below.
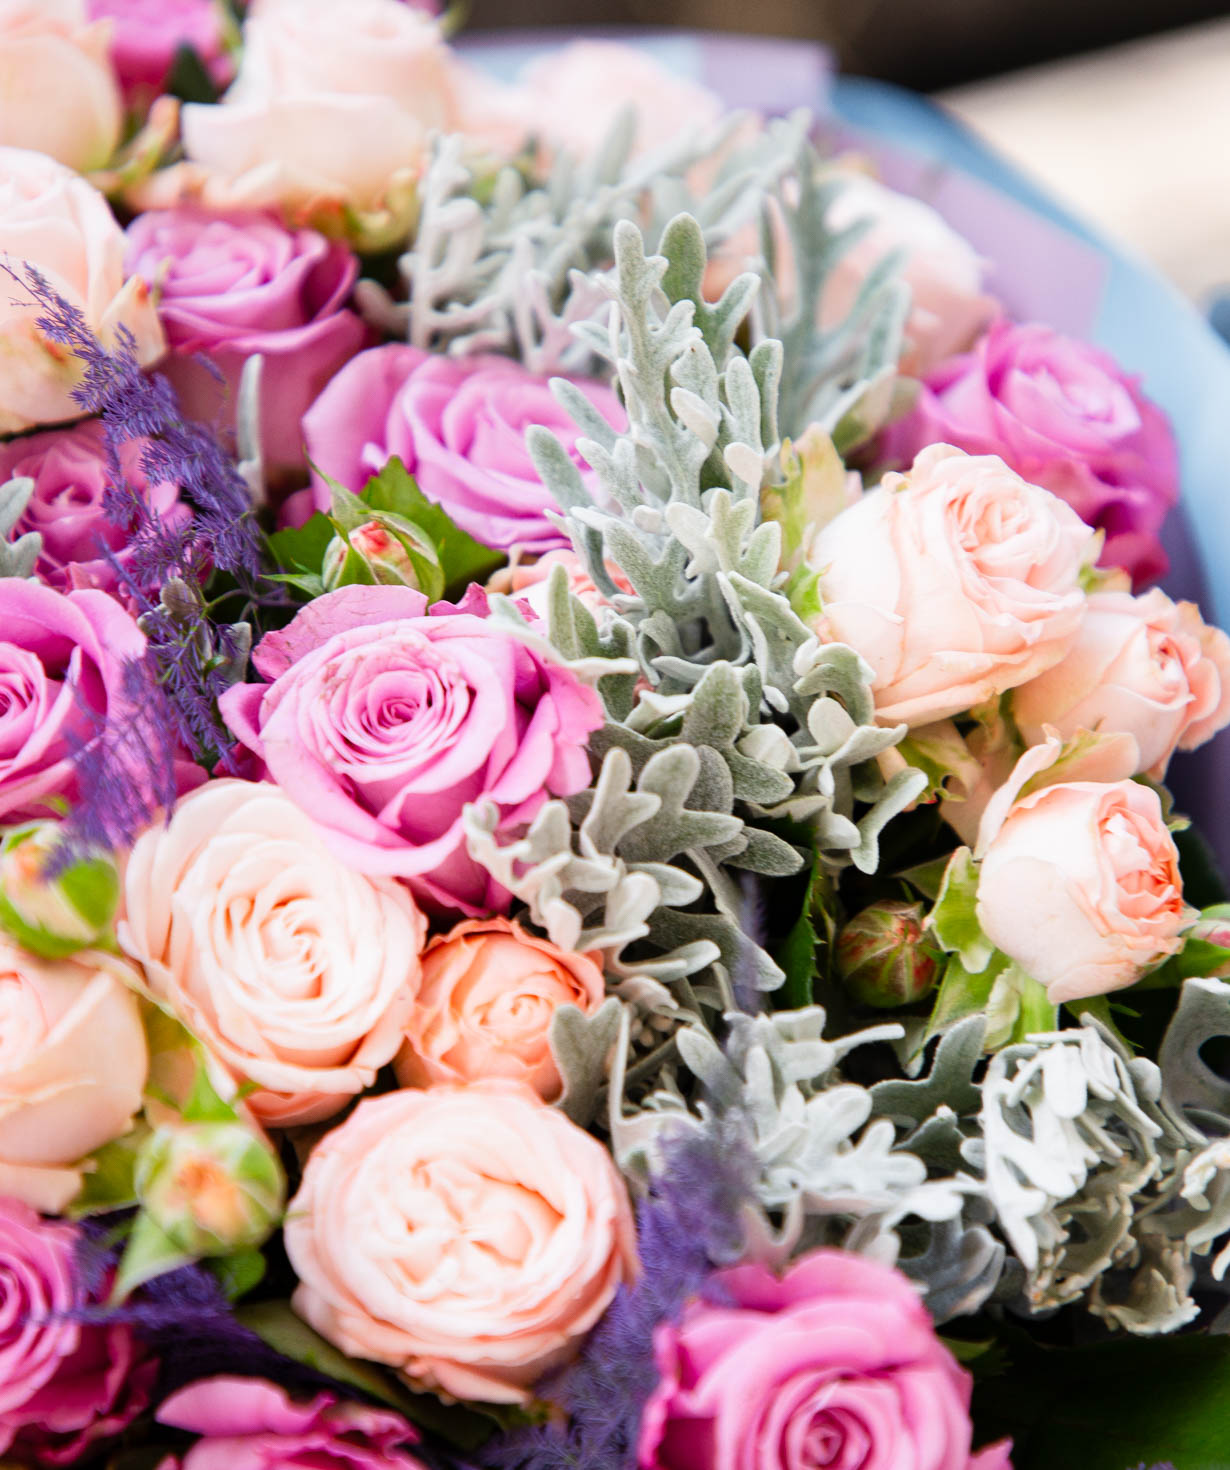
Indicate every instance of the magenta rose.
{"type": "Point", "coordinates": [835, 1363]}
{"type": "Point", "coordinates": [234, 285]}
{"type": "Point", "coordinates": [248, 1424]}
{"type": "Point", "coordinates": [458, 424]}
{"type": "Point", "coordinates": [383, 721]}
{"type": "Point", "coordinates": [146, 34]}
{"type": "Point", "coordinates": [71, 476]}
{"type": "Point", "coordinates": [1064, 416]}
{"type": "Point", "coordinates": [64, 1384]}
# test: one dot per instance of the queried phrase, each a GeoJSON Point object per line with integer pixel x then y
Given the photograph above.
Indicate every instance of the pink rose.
{"type": "Point", "coordinates": [296, 973]}
{"type": "Point", "coordinates": [58, 93]}
{"type": "Point", "coordinates": [64, 1385]}
{"type": "Point", "coordinates": [1142, 666]}
{"type": "Point", "coordinates": [527, 581]}
{"type": "Point", "coordinates": [955, 582]}
{"type": "Point", "coordinates": [146, 34]}
{"type": "Point", "coordinates": [948, 307]}
{"type": "Point", "coordinates": [383, 722]}
{"type": "Point", "coordinates": [490, 989]}
{"type": "Point", "coordinates": [72, 1068]}
{"type": "Point", "coordinates": [1064, 416]}
{"type": "Point", "coordinates": [501, 1234]}
{"type": "Point", "coordinates": [1079, 881]}
{"type": "Point", "coordinates": [59, 224]}
{"type": "Point", "coordinates": [835, 1363]}
{"type": "Point", "coordinates": [71, 479]}
{"type": "Point", "coordinates": [232, 287]}
{"type": "Point", "coordinates": [248, 1424]}
{"type": "Point", "coordinates": [458, 424]}
{"type": "Point", "coordinates": [62, 657]}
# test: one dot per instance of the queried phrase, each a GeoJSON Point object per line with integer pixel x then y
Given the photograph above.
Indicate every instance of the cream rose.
{"type": "Point", "coordinates": [58, 92]}
{"type": "Point", "coordinates": [73, 1063]}
{"type": "Point", "coordinates": [60, 225]}
{"type": "Point", "coordinates": [484, 1008]}
{"type": "Point", "coordinates": [955, 582]}
{"type": "Point", "coordinates": [1079, 881]}
{"type": "Point", "coordinates": [1143, 666]}
{"type": "Point", "coordinates": [296, 973]}
{"type": "Point", "coordinates": [468, 1236]}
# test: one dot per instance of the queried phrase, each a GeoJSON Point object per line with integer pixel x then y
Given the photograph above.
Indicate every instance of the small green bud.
{"type": "Point", "coordinates": [212, 1188]}
{"type": "Point", "coordinates": [379, 548]}
{"type": "Point", "coordinates": [883, 958]}
{"type": "Point", "coordinates": [54, 916]}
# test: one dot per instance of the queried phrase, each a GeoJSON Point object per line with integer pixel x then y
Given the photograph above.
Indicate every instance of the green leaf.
{"type": "Point", "coordinates": [189, 78]}
{"type": "Point", "coordinates": [797, 954]}
{"type": "Point", "coordinates": [928, 877]}
{"type": "Point", "coordinates": [239, 1273]}
{"type": "Point", "coordinates": [204, 1105]}
{"type": "Point", "coordinates": [963, 993]}
{"type": "Point", "coordinates": [954, 918]}
{"type": "Point", "coordinates": [1100, 1008]}
{"type": "Point", "coordinates": [110, 1178]}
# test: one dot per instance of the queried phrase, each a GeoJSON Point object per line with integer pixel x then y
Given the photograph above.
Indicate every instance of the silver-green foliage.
{"type": "Point", "coordinates": [17, 558]}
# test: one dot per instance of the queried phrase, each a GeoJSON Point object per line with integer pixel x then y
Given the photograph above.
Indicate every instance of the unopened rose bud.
{"type": "Point", "coordinates": [213, 1188]}
{"type": "Point", "coordinates": [53, 910]}
{"type": "Point", "coordinates": [384, 553]}
{"type": "Point", "coordinates": [883, 958]}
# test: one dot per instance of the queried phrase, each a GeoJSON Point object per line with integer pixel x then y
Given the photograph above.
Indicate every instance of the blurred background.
{"type": "Point", "coordinates": [1120, 107]}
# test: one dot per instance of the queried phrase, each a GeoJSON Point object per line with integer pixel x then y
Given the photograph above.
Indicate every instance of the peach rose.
{"type": "Point", "coordinates": [468, 1236]}
{"type": "Point", "coordinates": [484, 1008]}
{"type": "Point", "coordinates": [58, 92]}
{"type": "Point", "coordinates": [955, 582]}
{"type": "Point", "coordinates": [60, 225]}
{"type": "Point", "coordinates": [330, 111]}
{"type": "Point", "coordinates": [1079, 881]}
{"type": "Point", "coordinates": [1144, 666]}
{"type": "Point", "coordinates": [73, 1063]}
{"type": "Point", "coordinates": [948, 307]}
{"type": "Point", "coordinates": [296, 973]}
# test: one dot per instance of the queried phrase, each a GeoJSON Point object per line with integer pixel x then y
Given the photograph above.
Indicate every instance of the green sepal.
{"type": "Point", "coordinates": [954, 919]}
{"type": "Point", "coordinates": [150, 1252]}
{"type": "Point", "coordinates": [238, 1274]}
{"type": "Point", "coordinates": [109, 1179]}
{"type": "Point", "coordinates": [964, 993]}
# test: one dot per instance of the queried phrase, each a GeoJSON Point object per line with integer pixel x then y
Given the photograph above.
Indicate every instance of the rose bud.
{"type": "Point", "coordinates": [54, 915]}
{"type": "Point", "coordinates": [212, 1188]}
{"type": "Point", "coordinates": [382, 550]}
{"type": "Point", "coordinates": [882, 957]}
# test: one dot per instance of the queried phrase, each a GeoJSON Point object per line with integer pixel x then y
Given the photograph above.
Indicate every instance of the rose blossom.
{"type": "Point", "coordinates": [527, 581]}
{"type": "Point", "coordinates": [383, 722]}
{"type": "Point", "coordinates": [58, 93]}
{"type": "Point", "coordinates": [248, 1424]}
{"type": "Point", "coordinates": [835, 1363]}
{"type": "Point", "coordinates": [294, 971]}
{"type": "Point", "coordinates": [62, 658]}
{"type": "Point", "coordinates": [71, 477]}
{"type": "Point", "coordinates": [63, 1384]}
{"type": "Point", "coordinates": [228, 288]}
{"type": "Point", "coordinates": [72, 1068]}
{"type": "Point", "coordinates": [1079, 881]}
{"type": "Point", "coordinates": [57, 223]}
{"type": "Point", "coordinates": [955, 582]}
{"type": "Point", "coordinates": [489, 991]}
{"type": "Point", "coordinates": [1144, 666]}
{"type": "Point", "coordinates": [458, 425]}
{"type": "Point", "coordinates": [146, 34]}
{"type": "Point", "coordinates": [468, 1236]}
{"type": "Point", "coordinates": [1065, 416]}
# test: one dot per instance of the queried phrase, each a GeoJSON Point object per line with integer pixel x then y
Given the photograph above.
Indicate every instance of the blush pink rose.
{"type": "Point", "coordinates": [229, 288]}
{"type": "Point", "coordinates": [490, 989]}
{"type": "Point", "coordinates": [383, 722]}
{"type": "Point", "coordinates": [955, 582]}
{"type": "Point", "coordinates": [57, 223]}
{"type": "Point", "coordinates": [458, 425]}
{"type": "Point", "coordinates": [58, 92]}
{"type": "Point", "coordinates": [72, 1068]}
{"type": "Point", "coordinates": [295, 972]}
{"type": "Point", "coordinates": [836, 1363]}
{"type": "Point", "coordinates": [1064, 416]}
{"type": "Point", "coordinates": [248, 1424]}
{"type": "Point", "coordinates": [527, 581]}
{"type": "Point", "coordinates": [71, 479]}
{"type": "Point", "coordinates": [64, 1385]}
{"type": "Point", "coordinates": [146, 34]}
{"type": "Point", "coordinates": [500, 1235]}
{"type": "Point", "coordinates": [1079, 881]}
{"type": "Point", "coordinates": [62, 657]}
{"type": "Point", "coordinates": [1142, 666]}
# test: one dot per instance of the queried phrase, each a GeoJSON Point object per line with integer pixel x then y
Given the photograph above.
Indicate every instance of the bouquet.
{"type": "Point", "coordinates": [587, 878]}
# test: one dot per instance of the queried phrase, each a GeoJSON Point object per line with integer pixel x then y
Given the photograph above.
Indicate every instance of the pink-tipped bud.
{"type": "Point", "coordinates": [883, 957]}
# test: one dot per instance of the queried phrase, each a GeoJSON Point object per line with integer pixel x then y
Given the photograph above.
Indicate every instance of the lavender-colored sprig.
{"type": "Point", "coordinates": [689, 1223]}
